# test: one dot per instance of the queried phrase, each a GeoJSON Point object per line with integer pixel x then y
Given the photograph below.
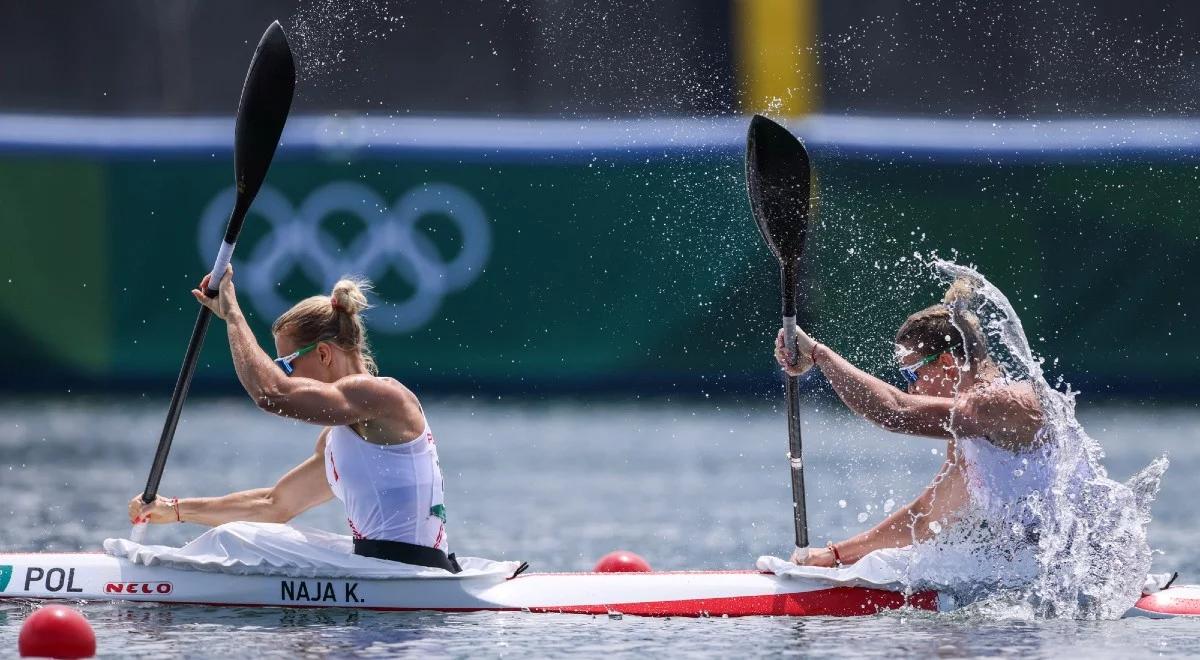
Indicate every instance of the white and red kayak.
{"type": "Point", "coordinates": [96, 576]}
{"type": "Point", "coordinates": [272, 565]}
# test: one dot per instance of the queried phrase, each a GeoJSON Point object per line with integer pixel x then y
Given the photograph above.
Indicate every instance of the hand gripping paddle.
{"type": "Point", "coordinates": [262, 112]}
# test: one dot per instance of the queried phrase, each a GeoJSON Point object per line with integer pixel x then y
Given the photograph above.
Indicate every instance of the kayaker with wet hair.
{"type": "Point", "coordinates": [954, 392]}
{"type": "Point", "coordinates": [376, 452]}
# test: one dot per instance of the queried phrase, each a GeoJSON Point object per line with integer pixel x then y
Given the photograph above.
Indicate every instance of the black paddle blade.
{"type": "Point", "coordinates": [778, 180]}
{"type": "Point", "coordinates": [262, 112]}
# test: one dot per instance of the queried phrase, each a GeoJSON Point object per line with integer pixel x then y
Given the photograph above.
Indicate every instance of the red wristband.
{"type": "Point", "coordinates": [175, 505]}
{"type": "Point", "coordinates": [812, 354]}
{"type": "Point", "coordinates": [837, 558]}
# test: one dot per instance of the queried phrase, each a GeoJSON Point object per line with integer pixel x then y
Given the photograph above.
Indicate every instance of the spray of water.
{"type": "Point", "coordinates": [327, 33]}
{"type": "Point", "coordinates": [1071, 546]}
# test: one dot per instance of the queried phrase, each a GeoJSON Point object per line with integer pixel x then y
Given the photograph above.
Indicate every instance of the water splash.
{"type": "Point", "coordinates": [1073, 546]}
{"type": "Point", "coordinates": [327, 33]}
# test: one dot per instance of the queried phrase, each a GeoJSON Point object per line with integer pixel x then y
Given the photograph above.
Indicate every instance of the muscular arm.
{"type": "Point", "coordinates": [939, 503]}
{"type": "Point", "coordinates": [393, 409]}
{"type": "Point", "coordinates": [1007, 414]}
{"type": "Point", "coordinates": [301, 489]}
{"type": "Point", "coordinates": [348, 401]}
{"type": "Point", "coordinates": [884, 404]}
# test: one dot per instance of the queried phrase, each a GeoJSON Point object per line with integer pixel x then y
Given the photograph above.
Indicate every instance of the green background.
{"type": "Point", "coordinates": [634, 274]}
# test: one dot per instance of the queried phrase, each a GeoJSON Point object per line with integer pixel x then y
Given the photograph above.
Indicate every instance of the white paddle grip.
{"type": "Point", "coordinates": [218, 271]}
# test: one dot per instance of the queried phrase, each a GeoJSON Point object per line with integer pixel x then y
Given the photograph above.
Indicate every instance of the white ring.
{"type": "Point", "coordinates": [391, 241]}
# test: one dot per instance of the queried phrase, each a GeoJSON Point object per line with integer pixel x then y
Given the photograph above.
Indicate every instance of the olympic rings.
{"type": "Point", "coordinates": [391, 240]}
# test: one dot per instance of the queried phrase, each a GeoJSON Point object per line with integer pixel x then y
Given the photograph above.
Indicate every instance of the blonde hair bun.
{"type": "Point", "coordinates": [350, 295]}
{"type": "Point", "coordinates": [963, 291]}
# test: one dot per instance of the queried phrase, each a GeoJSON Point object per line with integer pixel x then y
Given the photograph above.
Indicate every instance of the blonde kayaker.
{"type": "Point", "coordinates": [376, 453]}
{"type": "Point", "coordinates": [955, 392]}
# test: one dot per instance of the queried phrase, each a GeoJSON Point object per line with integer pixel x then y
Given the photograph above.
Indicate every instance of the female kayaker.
{"type": "Point", "coordinates": [376, 452]}
{"type": "Point", "coordinates": [954, 392]}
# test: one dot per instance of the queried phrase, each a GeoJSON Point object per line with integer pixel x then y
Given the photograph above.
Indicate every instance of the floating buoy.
{"type": "Point", "coordinates": [1181, 600]}
{"type": "Point", "coordinates": [56, 631]}
{"type": "Point", "coordinates": [622, 561]}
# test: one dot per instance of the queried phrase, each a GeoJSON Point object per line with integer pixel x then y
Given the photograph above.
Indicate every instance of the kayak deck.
{"type": "Point", "coordinates": [90, 576]}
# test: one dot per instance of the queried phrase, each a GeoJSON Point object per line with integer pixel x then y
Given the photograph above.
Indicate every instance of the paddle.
{"type": "Point", "coordinates": [778, 182]}
{"type": "Point", "coordinates": [262, 112]}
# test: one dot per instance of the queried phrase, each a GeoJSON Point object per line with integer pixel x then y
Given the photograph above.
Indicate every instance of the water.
{"type": "Point", "coordinates": [688, 484]}
{"type": "Point", "coordinates": [1091, 552]}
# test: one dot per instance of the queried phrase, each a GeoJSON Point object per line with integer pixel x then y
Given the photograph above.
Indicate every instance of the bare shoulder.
{"type": "Point", "coordinates": [1007, 413]}
{"type": "Point", "coordinates": [1004, 397]}
{"type": "Point", "coordinates": [366, 389]}
{"type": "Point", "coordinates": [385, 401]}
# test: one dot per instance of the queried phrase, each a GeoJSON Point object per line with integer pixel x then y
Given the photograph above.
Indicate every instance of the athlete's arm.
{"type": "Point", "coordinates": [936, 508]}
{"type": "Point", "coordinates": [348, 401]}
{"type": "Point", "coordinates": [1009, 414]}
{"type": "Point", "coordinates": [301, 489]}
{"type": "Point", "coordinates": [882, 403]}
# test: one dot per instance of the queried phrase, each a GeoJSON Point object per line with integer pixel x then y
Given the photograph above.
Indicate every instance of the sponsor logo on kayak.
{"type": "Point", "coordinates": [139, 588]}
{"type": "Point", "coordinates": [53, 580]}
{"type": "Point", "coordinates": [318, 591]}
{"type": "Point", "coordinates": [382, 238]}
{"type": "Point", "coordinates": [5, 576]}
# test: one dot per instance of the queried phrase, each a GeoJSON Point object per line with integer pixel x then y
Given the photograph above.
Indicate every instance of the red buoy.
{"type": "Point", "coordinates": [56, 631]}
{"type": "Point", "coordinates": [622, 561]}
{"type": "Point", "coordinates": [1179, 600]}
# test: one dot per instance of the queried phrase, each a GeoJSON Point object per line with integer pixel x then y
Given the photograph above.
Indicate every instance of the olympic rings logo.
{"type": "Point", "coordinates": [391, 241]}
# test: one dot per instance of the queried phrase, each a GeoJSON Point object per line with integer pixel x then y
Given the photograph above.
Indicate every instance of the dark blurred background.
{"type": "Point", "coordinates": [605, 57]}
{"type": "Point", "coordinates": [588, 153]}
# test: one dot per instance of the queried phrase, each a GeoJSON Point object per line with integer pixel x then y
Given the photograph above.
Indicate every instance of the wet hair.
{"type": "Point", "coordinates": [932, 330]}
{"type": "Point", "coordinates": [335, 318]}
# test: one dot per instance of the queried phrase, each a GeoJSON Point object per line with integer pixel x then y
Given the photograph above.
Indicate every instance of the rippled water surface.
{"type": "Point", "coordinates": [559, 483]}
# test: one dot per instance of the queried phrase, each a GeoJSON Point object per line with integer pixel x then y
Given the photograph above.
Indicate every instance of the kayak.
{"type": "Point", "coordinates": [251, 564]}
{"type": "Point", "coordinates": [97, 576]}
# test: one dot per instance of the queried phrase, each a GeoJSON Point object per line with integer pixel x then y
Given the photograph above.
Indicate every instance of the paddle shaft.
{"type": "Point", "coordinates": [789, 285]}
{"type": "Point", "coordinates": [262, 111]}
{"type": "Point", "coordinates": [192, 357]}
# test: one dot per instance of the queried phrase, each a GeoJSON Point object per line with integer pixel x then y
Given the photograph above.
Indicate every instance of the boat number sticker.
{"type": "Point", "coordinates": [317, 591]}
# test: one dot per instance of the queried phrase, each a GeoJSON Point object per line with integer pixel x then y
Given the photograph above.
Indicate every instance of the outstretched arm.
{"type": "Point", "coordinates": [870, 397]}
{"type": "Point", "coordinates": [883, 403]}
{"type": "Point", "coordinates": [938, 506]}
{"type": "Point", "coordinates": [1008, 415]}
{"type": "Point", "coordinates": [301, 489]}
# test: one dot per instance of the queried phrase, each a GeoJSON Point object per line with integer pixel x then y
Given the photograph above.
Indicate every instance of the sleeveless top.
{"type": "Point", "coordinates": [1018, 494]}
{"type": "Point", "coordinates": [391, 492]}
{"type": "Point", "coordinates": [1007, 486]}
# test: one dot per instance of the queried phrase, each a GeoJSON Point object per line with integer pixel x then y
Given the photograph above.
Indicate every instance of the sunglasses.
{"type": "Point", "coordinates": [910, 372]}
{"type": "Point", "coordinates": [286, 361]}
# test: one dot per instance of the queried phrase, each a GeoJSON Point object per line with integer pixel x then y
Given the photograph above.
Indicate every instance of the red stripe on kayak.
{"type": "Point", "coordinates": [840, 601]}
